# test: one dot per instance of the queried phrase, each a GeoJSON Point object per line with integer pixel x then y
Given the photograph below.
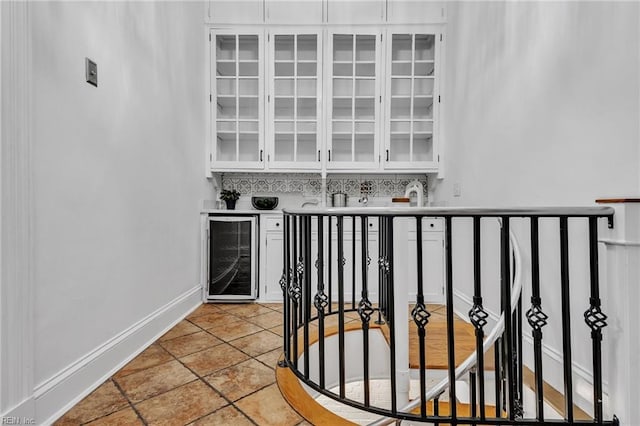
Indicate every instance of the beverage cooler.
{"type": "Point", "coordinates": [232, 257]}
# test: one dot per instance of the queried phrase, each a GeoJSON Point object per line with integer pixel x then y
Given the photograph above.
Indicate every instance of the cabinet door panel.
{"type": "Point", "coordinates": [237, 95]}
{"type": "Point", "coordinates": [273, 267]}
{"type": "Point", "coordinates": [353, 95]}
{"type": "Point", "coordinates": [411, 121]}
{"type": "Point", "coordinates": [353, 288]}
{"type": "Point", "coordinates": [300, 12]}
{"type": "Point", "coordinates": [355, 11]}
{"type": "Point", "coordinates": [433, 266]}
{"type": "Point", "coordinates": [296, 82]}
{"type": "Point", "coordinates": [229, 12]}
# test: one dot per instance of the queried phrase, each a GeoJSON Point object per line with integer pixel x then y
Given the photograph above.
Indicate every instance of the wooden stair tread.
{"type": "Point", "coordinates": [437, 356]}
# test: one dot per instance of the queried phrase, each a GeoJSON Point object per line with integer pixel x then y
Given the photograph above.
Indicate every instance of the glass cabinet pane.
{"type": "Point", "coordinates": [295, 98]}
{"type": "Point", "coordinates": [355, 98]}
{"type": "Point", "coordinates": [283, 147]}
{"type": "Point", "coordinates": [226, 47]}
{"type": "Point", "coordinates": [307, 87]}
{"type": "Point", "coordinates": [400, 147]}
{"type": "Point", "coordinates": [283, 108]}
{"type": "Point", "coordinates": [423, 147]}
{"type": "Point", "coordinates": [283, 47]}
{"type": "Point", "coordinates": [412, 91]}
{"type": "Point", "coordinates": [248, 147]}
{"type": "Point", "coordinates": [401, 47]}
{"type": "Point", "coordinates": [248, 47]}
{"type": "Point", "coordinates": [237, 102]}
{"type": "Point", "coordinates": [342, 87]}
{"type": "Point", "coordinates": [425, 47]}
{"type": "Point", "coordinates": [307, 47]}
{"type": "Point", "coordinates": [342, 47]}
{"type": "Point", "coordinates": [248, 87]}
{"type": "Point", "coordinates": [341, 148]}
{"type": "Point", "coordinates": [284, 87]}
{"type": "Point", "coordinates": [306, 147]}
{"type": "Point", "coordinates": [226, 107]}
{"type": "Point", "coordinates": [366, 48]}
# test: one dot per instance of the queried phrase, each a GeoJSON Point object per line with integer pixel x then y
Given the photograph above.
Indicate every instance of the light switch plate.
{"type": "Point", "coordinates": [91, 71]}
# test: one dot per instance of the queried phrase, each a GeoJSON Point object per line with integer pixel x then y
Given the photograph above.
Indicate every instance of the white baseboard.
{"type": "Point", "coordinates": [62, 391]}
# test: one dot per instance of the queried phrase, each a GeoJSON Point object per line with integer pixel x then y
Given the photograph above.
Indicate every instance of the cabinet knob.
{"type": "Point", "coordinates": [371, 225]}
{"type": "Point", "coordinates": [278, 224]}
{"type": "Point", "coordinates": [431, 225]}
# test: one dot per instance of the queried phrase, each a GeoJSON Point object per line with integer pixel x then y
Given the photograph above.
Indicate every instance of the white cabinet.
{"type": "Point", "coordinates": [325, 98]}
{"type": "Point", "coordinates": [432, 260]}
{"type": "Point", "coordinates": [412, 98]}
{"type": "Point", "coordinates": [234, 12]}
{"type": "Point", "coordinates": [237, 100]}
{"type": "Point", "coordinates": [298, 12]}
{"type": "Point", "coordinates": [271, 257]}
{"type": "Point", "coordinates": [353, 287]}
{"type": "Point", "coordinates": [355, 11]}
{"type": "Point", "coordinates": [353, 72]}
{"type": "Point", "coordinates": [294, 101]}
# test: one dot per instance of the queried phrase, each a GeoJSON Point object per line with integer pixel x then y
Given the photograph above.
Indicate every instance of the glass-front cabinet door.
{"type": "Point", "coordinates": [294, 126]}
{"type": "Point", "coordinates": [354, 71]}
{"type": "Point", "coordinates": [412, 100]}
{"type": "Point", "coordinates": [237, 99]}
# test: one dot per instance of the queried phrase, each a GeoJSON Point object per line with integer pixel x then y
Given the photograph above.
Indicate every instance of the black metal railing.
{"type": "Point", "coordinates": [330, 309]}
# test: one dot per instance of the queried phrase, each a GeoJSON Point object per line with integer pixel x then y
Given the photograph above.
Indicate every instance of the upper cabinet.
{"type": "Point", "coordinates": [353, 107]}
{"type": "Point", "coordinates": [304, 12]}
{"type": "Point", "coordinates": [237, 100]}
{"type": "Point", "coordinates": [298, 12]}
{"type": "Point", "coordinates": [294, 100]}
{"type": "Point", "coordinates": [325, 95]}
{"type": "Point", "coordinates": [356, 11]}
{"type": "Point", "coordinates": [234, 12]}
{"type": "Point", "coordinates": [412, 100]}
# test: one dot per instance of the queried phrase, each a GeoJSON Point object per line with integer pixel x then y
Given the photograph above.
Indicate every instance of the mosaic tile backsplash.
{"type": "Point", "coordinates": [310, 184]}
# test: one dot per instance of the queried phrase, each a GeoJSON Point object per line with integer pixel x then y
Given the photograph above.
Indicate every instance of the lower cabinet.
{"type": "Point", "coordinates": [271, 259]}
{"type": "Point", "coordinates": [432, 261]}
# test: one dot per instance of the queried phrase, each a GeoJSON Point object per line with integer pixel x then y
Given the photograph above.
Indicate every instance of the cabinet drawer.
{"type": "Point", "coordinates": [429, 224]}
{"type": "Point", "coordinates": [372, 224]}
{"type": "Point", "coordinates": [432, 224]}
{"type": "Point", "coordinates": [273, 223]}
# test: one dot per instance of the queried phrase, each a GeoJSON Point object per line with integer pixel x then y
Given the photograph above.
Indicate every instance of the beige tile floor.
{"type": "Point", "coordinates": [216, 367]}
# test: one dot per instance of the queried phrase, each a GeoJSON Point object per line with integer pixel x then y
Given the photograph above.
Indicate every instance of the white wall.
{"type": "Point", "coordinates": [118, 172]}
{"type": "Point", "coordinates": [541, 102]}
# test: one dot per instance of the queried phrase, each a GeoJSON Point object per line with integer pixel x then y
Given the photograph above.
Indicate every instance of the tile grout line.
{"type": "Point", "coordinates": [131, 404]}
{"type": "Point", "coordinates": [202, 379]}
{"type": "Point", "coordinates": [198, 377]}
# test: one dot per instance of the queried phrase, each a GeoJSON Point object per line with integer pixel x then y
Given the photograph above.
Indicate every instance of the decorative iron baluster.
{"type": "Point", "coordinates": [321, 300]}
{"type": "Point", "coordinates": [595, 319]}
{"type": "Point", "coordinates": [450, 316]}
{"type": "Point", "coordinates": [566, 319]}
{"type": "Point", "coordinates": [477, 315]}
{"type": "Point", "coordinates": [365, 309]}
{"type": "Point", "coordinates": [421, 316]}
{"type": "Point", "coordinates": [536, 318]}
